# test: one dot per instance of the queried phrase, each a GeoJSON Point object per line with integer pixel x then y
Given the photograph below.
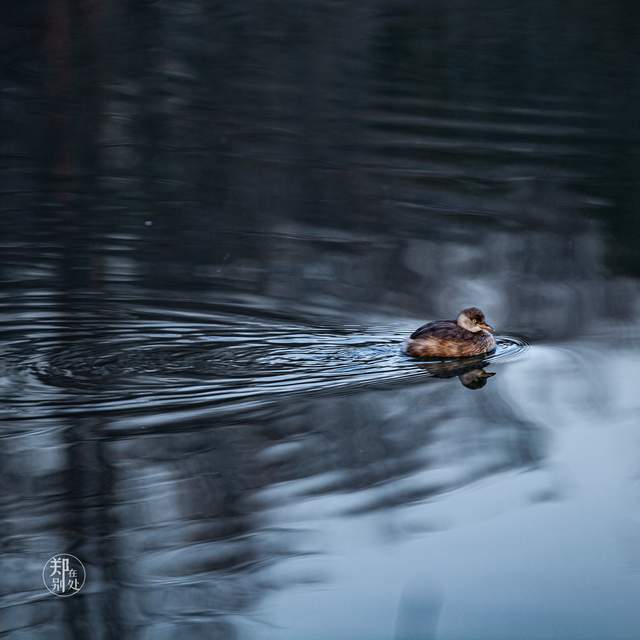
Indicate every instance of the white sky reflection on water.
{"type": "Point", "coordinates": [539, 553]}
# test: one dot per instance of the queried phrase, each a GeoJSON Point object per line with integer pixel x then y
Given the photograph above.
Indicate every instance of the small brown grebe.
{"type": "Point", "coordinates": [468, 335]}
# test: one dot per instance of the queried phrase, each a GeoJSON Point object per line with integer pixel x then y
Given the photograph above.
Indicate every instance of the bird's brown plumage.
{"type": "Point", "coordinates": [447, 339]}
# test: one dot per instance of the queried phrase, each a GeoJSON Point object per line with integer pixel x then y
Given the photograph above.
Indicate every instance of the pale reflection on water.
{"type": "Point", "coordinates": [217, 228]}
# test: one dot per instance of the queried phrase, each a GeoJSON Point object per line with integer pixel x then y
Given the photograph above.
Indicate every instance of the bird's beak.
{"type": "Point", "coordinates": [486, 327]}
{"type": "Point", "coordinates": [486, 374]}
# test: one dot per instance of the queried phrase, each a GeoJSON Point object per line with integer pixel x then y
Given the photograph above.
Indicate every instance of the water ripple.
{"type": "Point", "coordinates": [188, 361]}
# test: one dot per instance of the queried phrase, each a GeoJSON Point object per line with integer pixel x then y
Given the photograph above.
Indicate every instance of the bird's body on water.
{"type": "Point", "coordinates": [468, 335]}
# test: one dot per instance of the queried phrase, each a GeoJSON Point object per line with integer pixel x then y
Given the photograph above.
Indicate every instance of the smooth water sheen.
{"type": "Point", "coordinates": [219, 224]}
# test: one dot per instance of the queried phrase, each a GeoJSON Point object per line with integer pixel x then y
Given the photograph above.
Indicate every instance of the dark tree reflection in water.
{"type": "Point", "coordinates": [218, 223]}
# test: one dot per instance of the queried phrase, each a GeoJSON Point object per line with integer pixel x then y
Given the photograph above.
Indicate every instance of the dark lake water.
{"type": "Point", "coordinates": [219, 222]}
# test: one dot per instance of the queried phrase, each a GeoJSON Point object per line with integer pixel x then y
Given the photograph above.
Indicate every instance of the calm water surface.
{"type": "Point", "coordinates": [219, 222]}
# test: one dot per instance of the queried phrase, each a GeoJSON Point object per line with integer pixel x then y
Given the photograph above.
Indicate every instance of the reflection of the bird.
{"type": "Point", "coordinates": [470, 371]}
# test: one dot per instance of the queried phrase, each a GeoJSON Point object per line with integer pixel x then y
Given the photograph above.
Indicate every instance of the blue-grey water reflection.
{"type": "Point", "coordinates": [219, 221]}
